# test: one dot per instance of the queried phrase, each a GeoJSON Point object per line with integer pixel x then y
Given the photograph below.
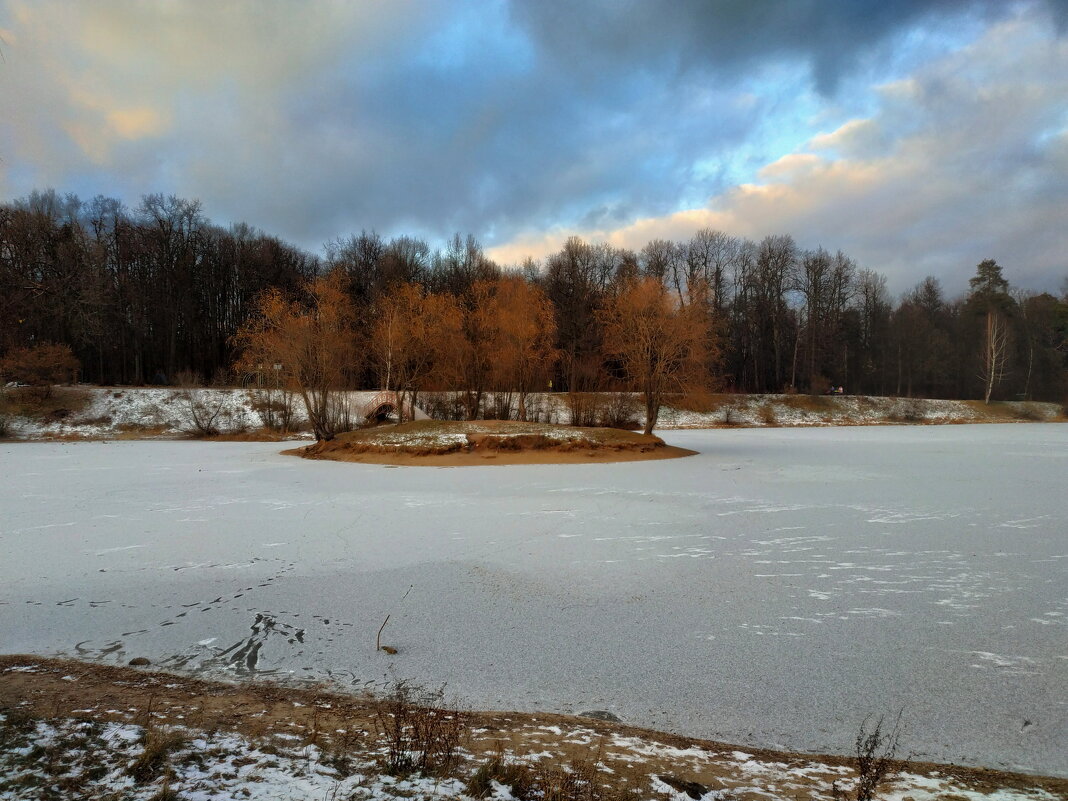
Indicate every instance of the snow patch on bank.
{"type": "Point", "coordinates": [105, 760]}
{"type": "Point", "coordinates": [145, 413]}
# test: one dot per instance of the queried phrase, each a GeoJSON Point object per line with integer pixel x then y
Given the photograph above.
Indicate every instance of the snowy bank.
{"type": "Point", "coordinates": [170, 737]}
{"type": "Point", "coordinates": [166, 413]}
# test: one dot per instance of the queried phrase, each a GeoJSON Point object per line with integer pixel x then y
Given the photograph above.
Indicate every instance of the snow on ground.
{"type": "Point", "coordinates": [804, 410]}
{"type": "Point", "coordinates": [96, 760]}
{"type": "Point", "coordinates": [102, 761]}
{"type": "Point", "coordinates": [433, 437]}
{"type": "Point", "coordinates": [771, 591]}
{"type": "Point", "coordinates": [116, 411]}
{"type": "Point", "coordinates": [165, 412]}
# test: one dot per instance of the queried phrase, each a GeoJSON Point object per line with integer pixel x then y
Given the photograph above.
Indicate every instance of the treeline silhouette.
{"type": "Point", "coordinates": [141, 295]}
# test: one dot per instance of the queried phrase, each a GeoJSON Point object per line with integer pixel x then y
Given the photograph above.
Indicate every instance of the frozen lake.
{"type": "Point", "coordinates": [772, 590]}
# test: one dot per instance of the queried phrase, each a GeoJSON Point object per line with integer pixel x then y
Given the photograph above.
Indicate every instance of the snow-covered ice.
{"type": "Point", "coordinates": [771, 591]}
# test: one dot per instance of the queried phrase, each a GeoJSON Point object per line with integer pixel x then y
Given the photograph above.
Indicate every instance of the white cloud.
{"type": "Point", "coordinates": [965, 159]}
{"type": "Point", "coordinates": [91, 82]}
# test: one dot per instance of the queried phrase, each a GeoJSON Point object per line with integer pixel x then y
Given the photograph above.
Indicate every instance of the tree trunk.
{"type": "Point", "coordinates": [652, 412]}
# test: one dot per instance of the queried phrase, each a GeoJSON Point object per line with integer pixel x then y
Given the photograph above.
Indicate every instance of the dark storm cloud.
{"type": "Point", "coordinates": [499, 118]}
{"type": "Point", "coordinates": [599, 37]}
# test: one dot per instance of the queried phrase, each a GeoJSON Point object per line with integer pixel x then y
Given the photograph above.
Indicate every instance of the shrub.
{"type": "Point", "coordinates": [274, 407]}
{"type": "Point", "coordinates": [420, 732]}
{"type": "Point", "coordinates": [499, 406]}
{"type": "Point", "coordinates": [343, 413]}
{"type": "Point", "coordinates": [40, 366]}
{"type": "Point", "coordinates": [604, 409]}
{"type": "Point", "coordinates": [1029, 411]}
{"type": "Point", "coordinates": [202, 407]}
{"type": "Point", "coordinates": [875, 752]}
{"type": "Point", "coordinates": [907, 410]}
{"type": "Point", "coordinates": [620, 410]}
{"type": "Point", "coordinates": [582, 406]}
{"type": "Point", "coordinates": [767, 415]}
{"type": "Point", "coordinates": [443, 405]}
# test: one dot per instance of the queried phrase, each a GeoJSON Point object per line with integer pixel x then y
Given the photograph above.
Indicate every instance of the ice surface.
{"type": "Point", "coordinates": [771, 591]}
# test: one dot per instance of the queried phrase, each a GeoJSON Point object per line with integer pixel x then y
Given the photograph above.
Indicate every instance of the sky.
{"type": "Point", "coordinates": [918, 136]}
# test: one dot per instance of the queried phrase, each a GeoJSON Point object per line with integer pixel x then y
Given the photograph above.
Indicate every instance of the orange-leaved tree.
{"type": "Point", "coordinates": [40, 366]}
{"type": "Point", "coordinates": [475, 354]}
{"type": "Point", "coordinates": [309, 341]}
{"type": "Point", "coordinates": [413, 338]}
{"type": "Point", "coordinates": [526, 331]}
{"type": "Point", "coordinates": [657, 343]}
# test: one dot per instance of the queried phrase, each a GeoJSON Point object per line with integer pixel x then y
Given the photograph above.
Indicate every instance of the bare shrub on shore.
{"type": "Point", "coordinates": [420, 732]}
{"type": "Point", "coordinates": [202, 407]}
{"type": "Point", "coordinates": [1029, 412]}
{"type": "Point", "coordinates": [343, 413]}
{"type": "Point", "coordinates": [275, 407]}
{"type": "Point", "coordinates": [443, 405]}
{"type": "Point", "coordinates": [907, 410]}
{"type": "Point", "coordinates": [604, 410]}
{"type": "Point", "coordinates": [768, 416]}
{"type": "Point", "coordinates": [875, 752]}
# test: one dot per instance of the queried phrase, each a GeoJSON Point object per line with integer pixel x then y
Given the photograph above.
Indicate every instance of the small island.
{"type": "Point", "coordinates": [489, 442]}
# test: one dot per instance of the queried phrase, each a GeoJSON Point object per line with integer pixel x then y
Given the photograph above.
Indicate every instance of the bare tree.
{"type": "Point", "coordinates": [994, 357]}
{"type": "Point", "coordinates": [710, 256]}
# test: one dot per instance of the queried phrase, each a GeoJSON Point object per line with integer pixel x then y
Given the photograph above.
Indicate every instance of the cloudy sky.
{"type": "Point", "coordinates": [920, 136]}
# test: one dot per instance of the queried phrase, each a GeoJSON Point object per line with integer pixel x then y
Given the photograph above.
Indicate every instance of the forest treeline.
{"type": "Point", "coordinates": [141, 295]}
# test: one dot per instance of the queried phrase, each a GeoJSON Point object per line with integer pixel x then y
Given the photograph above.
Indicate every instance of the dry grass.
{"type": "Point", "coordinates": [60, 404]}
{"type": "Point", "coordinates": [1010, 411]}
{"type": "Point", "coordinates": [159, 744]}
{"type": "Point", "coordinates": [701, 402]}
{"type": "Point", "coordinates": [251, 435]}
{"type": "Point", "coordinates": [809, 403]}
{"type": "Point", "coordinates": [578, 780]}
